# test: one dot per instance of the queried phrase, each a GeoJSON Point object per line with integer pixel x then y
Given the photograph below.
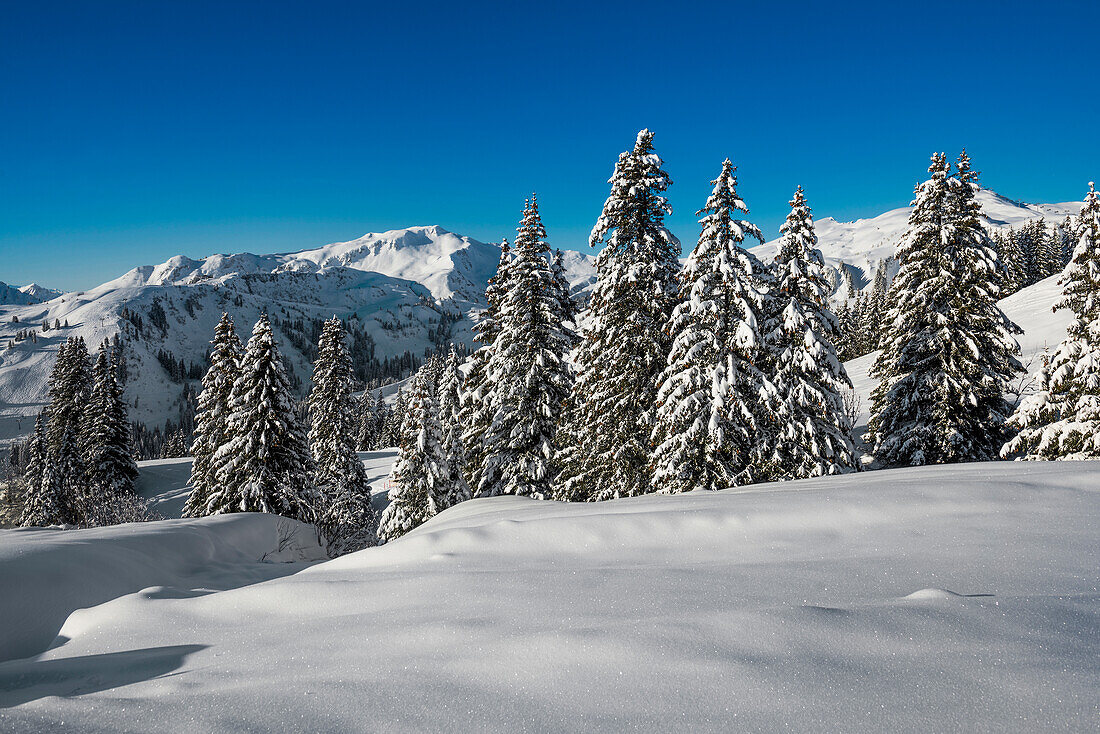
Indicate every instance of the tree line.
{"type": "Point", "coordinates": [719, 373]}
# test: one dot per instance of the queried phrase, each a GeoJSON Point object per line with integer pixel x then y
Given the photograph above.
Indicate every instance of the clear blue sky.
{"type": "Point", "coordinates": [133, 131]}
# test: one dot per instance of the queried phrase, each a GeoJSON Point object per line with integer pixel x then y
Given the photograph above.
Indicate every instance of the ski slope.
{"type": "Point", "coordinates": [950, 598]}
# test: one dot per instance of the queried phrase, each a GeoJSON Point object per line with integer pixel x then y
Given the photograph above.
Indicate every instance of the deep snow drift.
{"type": "Point", "coordinates": [933, 599]}
{"type": "Point", "coordinates": [49, 573]}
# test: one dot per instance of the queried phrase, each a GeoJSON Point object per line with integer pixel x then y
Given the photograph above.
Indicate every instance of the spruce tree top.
{"type": "Point", "coordinates": [632, 219]}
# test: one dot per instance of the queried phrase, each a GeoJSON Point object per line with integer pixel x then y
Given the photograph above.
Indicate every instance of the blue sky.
{"type": "Point", "coordinates": [130, 132]}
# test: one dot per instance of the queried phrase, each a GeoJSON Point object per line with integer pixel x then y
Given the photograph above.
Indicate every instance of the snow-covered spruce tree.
{"type": "Point", "coordinates": [949, 350]}
{"type": "Point", "coordinates": [710, 403]}
{"type": "Point", "coordinates": [35, 452]}
{"type": "Point", "coordinates": [43, 503]}
{"type": "Point", "coordinates": [624, 345]}
{"type": "Point", "coordinates": [1050, 251]}
{"type": "Point", "coordinates": [476, 415]}
{"type": "Point", "coordinates": [69, 386]}
{"type": "Point", "coordinates": [1061, 420]}
{"type": "Point", "coordinates": [111, 469]}
{"type": "Point", "coordinates": [345, 516]}
{"type": "Point", "coordinates": [530, 378]}
{"type": "Point", "coordinates": [569, 309]}
{"type": "Point", "coordinates": [452, 487]}
{"type": "Point", "coordinates": [265, 466]}
{"type": "Point", "coordinates": [212, 414]}
{"type": "Point", "coordinates": [810, 436]}
{"type": "Point", "coordinates": [395, 419]}
{"type": "Point", "coordinates": [419, 460]}
{"type": "Point", "coordinates": [370, 423]}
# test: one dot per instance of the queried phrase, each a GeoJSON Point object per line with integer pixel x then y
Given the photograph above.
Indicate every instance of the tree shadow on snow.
{"type": "Point", "coordinates": [22, 681]}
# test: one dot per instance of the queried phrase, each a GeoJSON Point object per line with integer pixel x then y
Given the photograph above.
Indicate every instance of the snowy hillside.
{"type": "Point", "coordinates": [949, 598]}
{"type": "Point", "coordinates": [862, 245]}
{"type": "Point", "coordinates": [408, 290]}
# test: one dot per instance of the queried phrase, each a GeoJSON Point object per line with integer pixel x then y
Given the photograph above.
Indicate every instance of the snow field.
{"type": "Point", "coordinates": [49, 573]}
{"type": "Point", "coordinates": [933, 599]}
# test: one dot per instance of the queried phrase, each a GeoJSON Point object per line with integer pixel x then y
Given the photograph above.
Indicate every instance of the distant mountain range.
{"type": "Point", "coordinates": [25, 295]}
{"type": "Point", "coordinates": [407, 290]}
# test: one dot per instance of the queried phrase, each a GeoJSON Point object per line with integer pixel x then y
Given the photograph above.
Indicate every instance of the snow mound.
{"type": "Point", "coordinates": [933, 595]}
{"type": "Point", "coordinates": [47, 574]}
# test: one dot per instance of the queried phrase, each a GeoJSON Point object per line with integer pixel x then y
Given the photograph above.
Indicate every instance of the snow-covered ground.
{"type": "Point", "coordinates": [951, 598]}
{"type": "Point", "coordinates": [47, 574]}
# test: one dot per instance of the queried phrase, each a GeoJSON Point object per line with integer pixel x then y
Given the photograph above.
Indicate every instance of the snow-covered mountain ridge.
{"type": "Point", "coordinates": [407, 290]}
{"type": "Point", "coordinates": [861, 246]}
{"type": "Point", "coordinates": [25, 295]}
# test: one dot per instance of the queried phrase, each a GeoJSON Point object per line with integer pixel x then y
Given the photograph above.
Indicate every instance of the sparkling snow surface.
{"type": "Point", "coordinates": [933, 599]}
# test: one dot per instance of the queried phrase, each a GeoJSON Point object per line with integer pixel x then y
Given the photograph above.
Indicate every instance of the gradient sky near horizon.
{"type": "Point", "coordinates": [134, 131]}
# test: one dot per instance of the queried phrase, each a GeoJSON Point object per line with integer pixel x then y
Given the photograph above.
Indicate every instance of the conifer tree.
{"type": "Point", "coordinates": [624, 347]}
{"type": "Point", "coordinates": [69, 387]}
{"type": "Point", "coordinates": [530, 378]}
{"type": "Point", "coordinates": [266, 465]}
{"type": "Point", "coordinates": [35, 450]}
{"type": "Point", "coordinates": [452, 487]}
{"type": "Point", "coordinates": [417, 471]}
{"type": "Point", "coordinates": [393, 421]}
{"type": "Point", "coordinates": [710, 407]}
{"type": "Point", "coordinates": [811, 436]}
{"type": "Point", "coordinates": [1067, 236]}
{"type": "Point", "coordinates": [212, 414]}
{"type": "Point", "coordinates": [476, 415]}
{"type": "Point", "coordinates": [1062, 419]}
{"type": "Point", "coordinates": [568, 307]}
{"type": "Point", "coordinates": [111, 468]}
{"type": "Point", "coordinates": [345, 516]}
{"type": "Point", "coordinates": [43, 503]}
{"type": "Point", "coordinates": [949, 349]}
{"type": "Point", "coordinates": [1050, 257]}
{"type": "Point", "coordinates": [370, 423]}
